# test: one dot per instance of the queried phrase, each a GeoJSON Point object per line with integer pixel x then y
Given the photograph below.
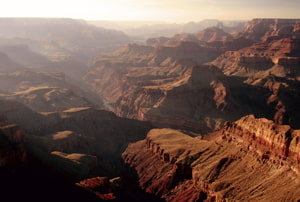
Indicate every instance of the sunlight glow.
{"type": "Point", "coordinates": [154, 10]}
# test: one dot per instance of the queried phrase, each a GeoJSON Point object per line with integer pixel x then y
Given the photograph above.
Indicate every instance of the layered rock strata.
{"type": "Point", "coordinates": [278, 143]}
{"type": "Point", "coordinates": [179, 83]}
{"type": "Point", "coordinates": [248, 160]}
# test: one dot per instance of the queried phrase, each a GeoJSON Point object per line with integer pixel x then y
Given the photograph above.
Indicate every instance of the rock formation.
{"type": "Point", "coordinates": [270, 141]}
{"type": "Point", "coordinates": [168, 84]}
{"type": "Point", "coordinates": [264, 29]}
{"type": "Point", "coordinates": [43, 91]}
{"type": "Point", "coordinates": [239, 162]}
{"type": "Point", "coordinates": [192, 82]}
{"type": "Point", "coordinates": [214, 34]}
{"type": "Point", "coordinates": [138, 79]}
{"type": "Point", "coordinates": [100, 186]}
{"type": "Point", "coordinates": [204, 37]}
{"type": "Point", "coordinates": [272, 63]}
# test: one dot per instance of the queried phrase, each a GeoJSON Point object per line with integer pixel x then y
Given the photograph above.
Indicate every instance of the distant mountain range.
{"type": "Point", "coordinates": [140, 31]}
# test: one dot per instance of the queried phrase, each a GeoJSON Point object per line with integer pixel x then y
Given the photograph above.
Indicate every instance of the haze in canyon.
{"type": "Point", "coordinates": [128, 100]}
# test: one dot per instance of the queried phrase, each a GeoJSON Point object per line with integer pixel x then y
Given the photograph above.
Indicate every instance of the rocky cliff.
{"type": "Point", "coordinates": [261, 29]}
{"type": "Point", "coordinates": [278, 143]}
{"type": "Point", "coordinates": [213, 34]}
{"type": "Point", "coordinates": [176, 83]}
{"type": "Point", "coordinates": [272, 63]}
{"type": "Point", "coordinates": [250, 159]}
{"type": "Point", "coordinates": [138, 78]}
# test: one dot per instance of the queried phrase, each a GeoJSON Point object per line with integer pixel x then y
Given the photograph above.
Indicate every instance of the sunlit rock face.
{"type": "Point", "coordinates": [175, 81]}
{"type": "Point", "coordinates": [240, 157]}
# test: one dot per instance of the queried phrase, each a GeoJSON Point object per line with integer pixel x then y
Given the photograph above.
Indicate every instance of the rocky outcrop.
{"type": "Point", "coordinates": [213, 34]}
{"type": "Point", "coordinates": [137, 105]}
{"type": "Point", "coordinates": [272, 63]}
{"type": "Point", "coordinates": [267, 139]}
{"type": "Point", "coordinates": [275, 50]}
{"type": "Point", "coordinates": [261, 29]}
{"type": "Point", "coordinates": [100, 186]}
{"type": "Point", "coordinates": [207, 37]}
{"type": "Point", "coordinates": [260, 58]}
{"type": "Point", "coordinates": [165, 168]}
{"type": "Point", "coordinates": [43, 91]}
{"type": "Point", "coordinates": [250, 159]}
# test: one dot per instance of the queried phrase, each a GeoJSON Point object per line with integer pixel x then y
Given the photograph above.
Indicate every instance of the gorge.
{"type": "Point", "coordinates": [88, 115]}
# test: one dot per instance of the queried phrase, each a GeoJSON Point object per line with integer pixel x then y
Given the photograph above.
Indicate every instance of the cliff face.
{"type": "Point", "coordinates": [198, 83]}
{"type": "Point", "coordinates": [272, 63]}
{"type": "Point", "coordinates": [276, 44]}
{"type": "Point", "coordinates": [263, 29]}
{"type": "Point", "coordinates": [165, 168]}
{"type": "Point", "coordinates": [270, 141]}
{"type": "Point", "coordinates": [138, 79]}
{"type": "Point", "coordinates": [239, 162]}
{"type": "Point", "coordinates": [276, 57]}
{"type": "Point", "coordinates": [214, 34]}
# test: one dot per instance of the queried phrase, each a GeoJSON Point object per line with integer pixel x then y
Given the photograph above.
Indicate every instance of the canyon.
{"type": "Point", "coordinates": [209, 115]}
{"type": "Point", "coordinates": [199, 81]}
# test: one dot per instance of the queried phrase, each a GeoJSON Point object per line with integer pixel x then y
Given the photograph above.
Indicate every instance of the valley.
{"type": "Point", "coordinates": [206, 115]}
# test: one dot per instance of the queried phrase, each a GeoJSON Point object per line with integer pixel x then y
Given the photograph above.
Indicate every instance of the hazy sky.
{"type": "Point", "coordinates": [151, 10]}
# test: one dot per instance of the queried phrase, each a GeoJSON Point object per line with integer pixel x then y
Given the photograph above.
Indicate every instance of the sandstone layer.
{"type": "Point", "coordinates": [249, 160]}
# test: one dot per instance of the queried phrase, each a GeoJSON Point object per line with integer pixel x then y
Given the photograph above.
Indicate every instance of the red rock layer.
{"type": "Point", "coordinates": [100, 186]}
{"type": "Point", "coordinates": [279, 143]}
{"type": "Point", "coordinates": [248, 160]}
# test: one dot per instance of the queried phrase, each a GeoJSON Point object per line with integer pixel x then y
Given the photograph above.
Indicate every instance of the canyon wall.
{"type": "Point", "coordinates": [278, 143]}
{"type": "Point", "coordinates": [198, 81]}
{"type": "Point", "coordinates": [248, 160]}
{"type": "Point", "coordinates": [261, 29]}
